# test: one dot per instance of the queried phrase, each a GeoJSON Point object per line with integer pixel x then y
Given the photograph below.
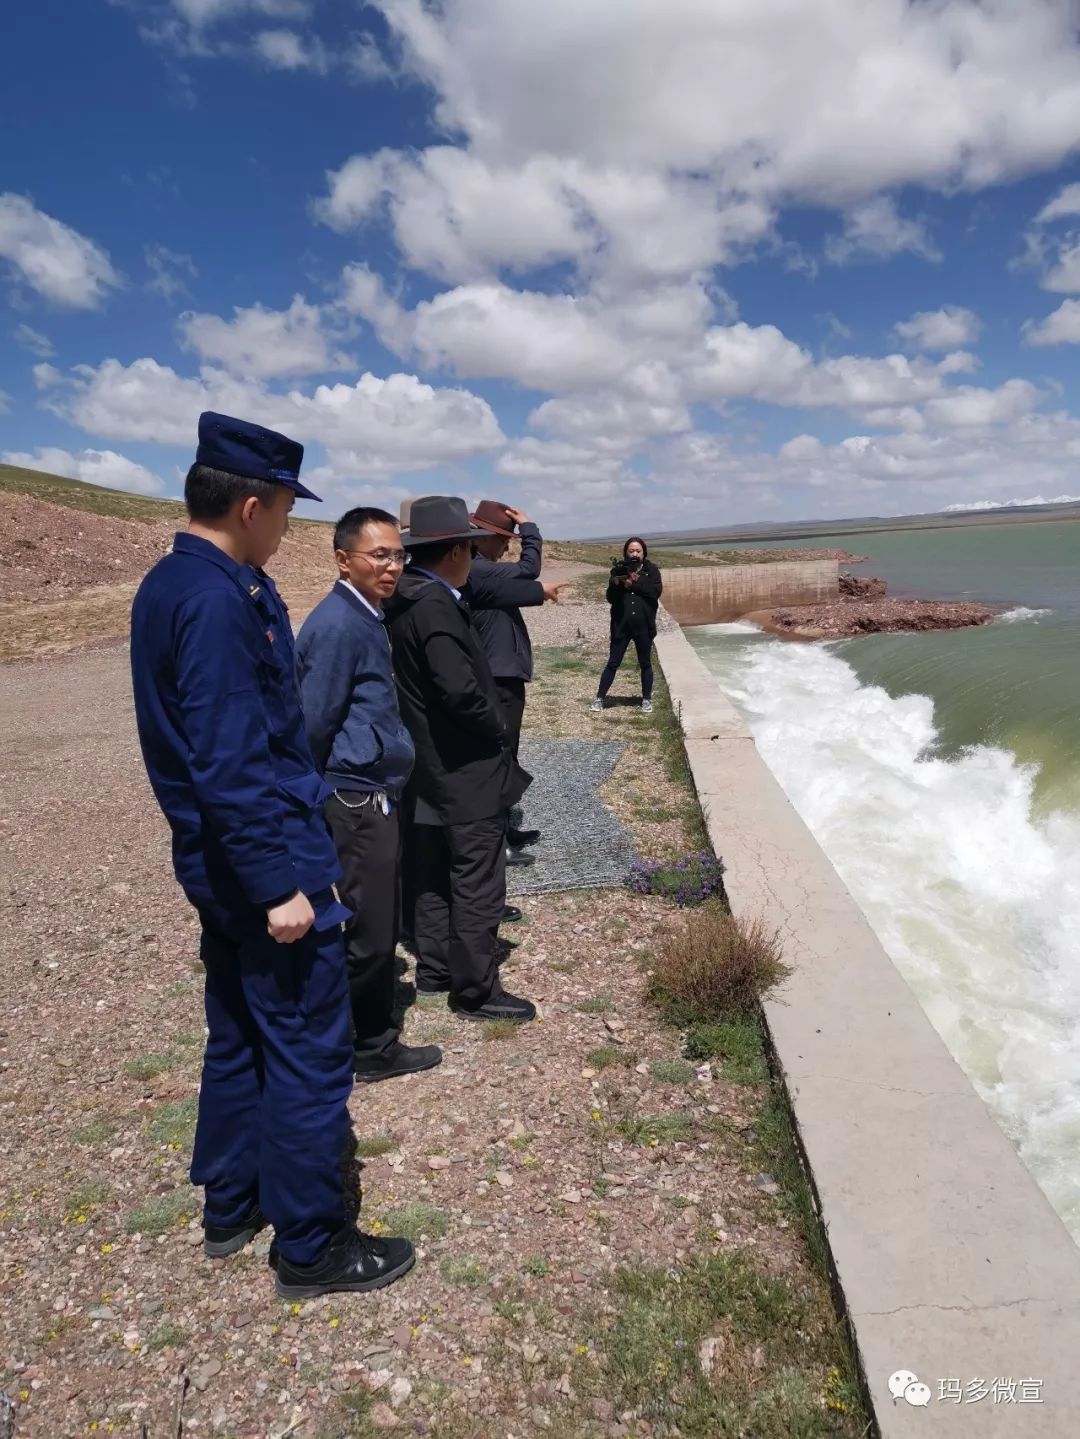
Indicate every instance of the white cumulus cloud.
{"type": "Point", "coordinates": [60, 264]}
{"type": "Point", "coordinates": [261, 344]}
{"type": "Point", "coordinates": [1060, 328]}
{"type": "Point", "coordinates": [949, 328]}
{"type": "Point", "coordinates": [93, 467]}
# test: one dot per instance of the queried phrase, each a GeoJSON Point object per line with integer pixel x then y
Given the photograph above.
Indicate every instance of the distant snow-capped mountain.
{"type": "Point", "coordinates": [1012, 504]}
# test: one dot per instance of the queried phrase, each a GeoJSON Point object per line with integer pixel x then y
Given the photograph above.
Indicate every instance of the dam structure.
{"type": "Point", "coordinates": [710, 594]}
{"type": "Point", "coordinates": [953, 1272]}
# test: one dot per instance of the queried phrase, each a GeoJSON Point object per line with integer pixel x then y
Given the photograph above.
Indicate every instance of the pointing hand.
{"type": "Point", "coordinates": [551, 592]}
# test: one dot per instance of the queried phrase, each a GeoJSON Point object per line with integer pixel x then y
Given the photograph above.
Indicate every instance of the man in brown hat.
{"type": "Point", "coordinates": [497, 592]}
{"type": "Point", "coordinates": [465, 778]}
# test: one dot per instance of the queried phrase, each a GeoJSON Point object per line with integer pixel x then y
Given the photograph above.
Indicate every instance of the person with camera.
{"type": "Point", "coordinates": [633, 593]}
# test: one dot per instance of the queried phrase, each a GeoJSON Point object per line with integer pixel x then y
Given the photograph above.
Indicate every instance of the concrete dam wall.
{"type": "Point", "coordinates": [710, 594]}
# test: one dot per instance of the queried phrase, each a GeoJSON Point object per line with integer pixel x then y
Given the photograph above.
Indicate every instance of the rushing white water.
{"type": "Point", "coordinates": [976, 900]}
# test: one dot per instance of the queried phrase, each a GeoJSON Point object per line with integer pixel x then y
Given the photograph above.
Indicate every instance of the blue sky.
{"type": "Point", "coordinates": [644, 263]}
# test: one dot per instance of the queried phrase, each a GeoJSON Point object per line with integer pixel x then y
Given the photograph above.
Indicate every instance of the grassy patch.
{"type": "Point", "coordinates": [650, 1130]}
{"type": "Point", "coordinates": [672, 1071]}
{"type": "Point", "coordinates": [167, 1335]}
{"type": "Point", "coordinates": [538, 1267]}
{"type": "Point", "coordinates": [96, 1130]}
{"type": "Point", "coordinates": [711, 965]}
{"type": "Point", "coordinates": [417, 1221]}
{"type": "Point", "coordinates": [720, 1350]}
{"type": "Point", "coordinates": [464, 1269]}
{"type": "Point", "coordinates": [499, 1029]}
{"type": "Point", "coordinates": [377, 1144]}
{"type": "Point", "coordinates": [83, 1200]}
{"type": "Point", "coordinates": [174, 1123]}
{"type": "Point", "coordinates": [608, 1054]}
{"type": "Point", "coordinates": [597, 1004]}
{"type": "Point", "coordinates": [780, 1155]}
{"type": "Point", "coordinates": [565, 659]}
{"type": "Point", "coordinates": [737, 1043]}
{"type": "Point", "coordinates": [149, 1066]}
{"type": "Point", "coordinates": [163, 1213]}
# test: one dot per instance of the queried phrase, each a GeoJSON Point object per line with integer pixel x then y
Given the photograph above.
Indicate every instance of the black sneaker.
{"type": "Point", "coordinates": [498, 1005]}
{"type": "Point", "coordinates": [519, 857]}
{"type": "Point", "coordinates": [521, 838]}
{"type": "Point", "coordinates": [353, 1263]}
{"type": "Point", "coordinates": [220, 1241]}
{"type": "Point", "coordinates": [511, 914]}
{"type": "Point", "coordinates": [432, 988]}
{"type": "Point", "coordinates": [399, 1059]}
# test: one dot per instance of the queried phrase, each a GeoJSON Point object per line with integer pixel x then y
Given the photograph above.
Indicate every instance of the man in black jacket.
{"type": "Point", "coordinates": [496, 593]}
{"type": "Point", "coordinates": [465, 778]}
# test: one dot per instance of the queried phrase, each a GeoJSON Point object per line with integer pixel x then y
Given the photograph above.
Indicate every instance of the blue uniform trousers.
{"type": "Point", "coordinates": [277, 1074]}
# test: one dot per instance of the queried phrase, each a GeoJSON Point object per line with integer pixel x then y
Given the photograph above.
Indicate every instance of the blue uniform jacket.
{"type": "Point", "coordinates": [346, 675]}
{"type": "Point", "coordinates": [222, 732]}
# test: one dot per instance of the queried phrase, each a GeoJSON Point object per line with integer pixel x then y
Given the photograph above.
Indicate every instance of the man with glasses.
{"type": "Point", "coordinates": [366, 755]}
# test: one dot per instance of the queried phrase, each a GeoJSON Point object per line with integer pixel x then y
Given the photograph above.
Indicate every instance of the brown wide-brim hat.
{"type": "Point", "coordinates": [491, 515]}
{"type": "Point", "coordinates": [405, 509]}
{"type": "Point", "coordinates": [438, 519]}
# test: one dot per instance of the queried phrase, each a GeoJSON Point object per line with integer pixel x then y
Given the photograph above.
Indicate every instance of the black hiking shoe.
{"type": "Point", "coordinates": [220, 1241]}
{"type": "Point", "coordinates": [399, 1059]}
{"type": "Point", "coordinates": [498, 1005]}
{"type": "Point", "coordinates": [510, 915]}
{"type": "Point", "coordinates": [353, 1263]}
{"type": "Point", "coordinates": [522, 838]}
{"type": "Point", "coordinates": [519, 857]}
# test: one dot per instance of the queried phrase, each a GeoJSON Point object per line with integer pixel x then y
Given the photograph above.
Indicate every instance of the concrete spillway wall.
{"type": "Point", "coordinates": [947, 1258]}
{"type": "Point", "coordinates": [710, 594]}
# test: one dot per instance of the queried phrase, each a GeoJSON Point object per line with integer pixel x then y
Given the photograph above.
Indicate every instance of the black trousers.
{"type": "Point", "coordinates": [643, 644]}
{"type": "Point", "coordinates": [460, 895]}
{"type": "Point", "coordinates": [512, 701]}
{"type": "Point", "coordinates": [368, 847]}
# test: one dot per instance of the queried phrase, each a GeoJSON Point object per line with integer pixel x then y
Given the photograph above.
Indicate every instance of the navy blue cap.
{"type": "Point", "coordinates": [241, 448]}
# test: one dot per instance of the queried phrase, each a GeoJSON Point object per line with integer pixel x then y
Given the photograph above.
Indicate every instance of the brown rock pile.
{"type": "Point", "coordinates": [847, 618]}
{"type": "Point", "coordinates": [855, 587]}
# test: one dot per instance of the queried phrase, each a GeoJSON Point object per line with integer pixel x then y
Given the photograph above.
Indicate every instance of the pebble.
{"type": "Point", "coordinates": [383, 1417]}
{"type": "Point", "coordinates": [104, 1312]}
{"type": "Point", "coordinates": [766, 1183]}
{"type": "Point", "coordinates": [205, 1372]}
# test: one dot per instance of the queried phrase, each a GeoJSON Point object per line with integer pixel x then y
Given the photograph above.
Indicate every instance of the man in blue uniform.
{"type": "Point", "coordinates": [225, 747]}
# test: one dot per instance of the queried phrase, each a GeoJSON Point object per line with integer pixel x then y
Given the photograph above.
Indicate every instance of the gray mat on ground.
{"type": "Point", "coordinates": [583, 845]}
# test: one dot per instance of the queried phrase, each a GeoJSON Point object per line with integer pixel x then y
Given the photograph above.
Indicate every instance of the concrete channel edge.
{"type": "Point", "coordinates": [948, 1260]}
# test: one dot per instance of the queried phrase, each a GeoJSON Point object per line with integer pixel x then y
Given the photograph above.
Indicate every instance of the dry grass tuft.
{"type": "Point", "coordinates": [711, 965]}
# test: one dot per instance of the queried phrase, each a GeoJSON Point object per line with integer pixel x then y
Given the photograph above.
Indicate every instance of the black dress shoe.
{"type": "Point", "coordinates": [519, 857]}
{"type": "Point", "coordinates": [422, 989]}
{"type": "Point", "coordinates": [498, 1005]}
{"type": "Point", "coordinates": [519, 838]}
{"type": "Point", "coordinates": [511, 914]}
{"type": "Point", "coordinates": [353, 1263]}
{"type": "Point", "coordinates": [399, 1059]}
{"type": "Point", "coordinates": [220, 1241]}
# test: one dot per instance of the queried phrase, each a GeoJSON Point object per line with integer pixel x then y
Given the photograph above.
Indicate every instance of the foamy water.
{"type": "Point", "coordinates": [975, 897]}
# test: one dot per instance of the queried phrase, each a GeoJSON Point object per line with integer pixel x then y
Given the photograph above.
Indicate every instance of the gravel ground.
{"type": "Point", "coordinates": [508, 1161]}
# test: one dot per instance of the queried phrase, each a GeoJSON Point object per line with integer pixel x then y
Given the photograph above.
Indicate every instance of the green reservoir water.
{"type": "Point", "coordinates": [941, 774]}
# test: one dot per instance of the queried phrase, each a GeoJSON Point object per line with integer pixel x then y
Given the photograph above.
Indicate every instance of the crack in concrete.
{"type": "Point", "coordinates": [945, 1308]}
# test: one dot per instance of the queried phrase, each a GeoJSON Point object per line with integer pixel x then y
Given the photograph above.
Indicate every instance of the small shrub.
{"type": "Point", "coordinates": [95, 1131]}
{"type": "Point", "coordinates": [499, 1029]}
{"type": "Point", "coordinates": [413, 1221]}
{"type": "Point", "coordinates": [673, 1071]}
{"type": "Point", "coordinates": [538, 1267]}
{"type": "Point", "coordinates": [464, 1269]}
{"type": "Point", "coordinates": [597, 1004]}
{"type": "Point", "coordinates": [166, 1336]}
{"type": "Point", "coordinates": [84, 1200]}
{"type": "Point", "coordinates": [161, 1214]}
{"type": "Point", "coordinates": [608, 1054]}
{"type": "Point", "coordinates": [148, 1066]}
{"type": "Point", "coordinates": [713, 966]}
{"type": "Point", "coordinates": [688, 881]}
{"type": "Point", "coordinates": [649, 1130]}
{"type": "Point", "coordinates": [175, 1123]}
{"type": "Point", "coordinates": [376, 1145]}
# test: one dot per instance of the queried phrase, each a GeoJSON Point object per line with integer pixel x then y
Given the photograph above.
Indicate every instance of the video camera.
{"type": "Point", "coordinates": [622, 566]}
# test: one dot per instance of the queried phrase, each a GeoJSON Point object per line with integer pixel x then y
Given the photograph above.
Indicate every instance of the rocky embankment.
{"type": "Point", "coordinates": [864, 609]}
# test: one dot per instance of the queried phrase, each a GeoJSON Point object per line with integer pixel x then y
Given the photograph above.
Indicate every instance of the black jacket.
{"type": "Point", "coordinates": [633, 610]}
{"type": "Point", "coordinates": [464, 770]}
{"type": "Point", "coordinates": [495, 593]}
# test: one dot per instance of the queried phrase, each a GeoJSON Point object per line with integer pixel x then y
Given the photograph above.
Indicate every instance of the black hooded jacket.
{"type": "Point", "coordinates": [464, 770]}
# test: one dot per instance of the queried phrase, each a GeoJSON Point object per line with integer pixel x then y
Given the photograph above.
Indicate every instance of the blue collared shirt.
{"type": "Point", "coordinates": [419, 570]}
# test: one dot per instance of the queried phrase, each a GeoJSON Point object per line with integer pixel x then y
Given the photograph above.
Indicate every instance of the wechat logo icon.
{"type": "Point", "coordinates": [905, 1385]}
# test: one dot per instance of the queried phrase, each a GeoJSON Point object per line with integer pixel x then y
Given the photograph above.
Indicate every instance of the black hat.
{"type": "Point", "coordinates": [435, 519]}
{"type": "Point", "coordinates": [240, 448]}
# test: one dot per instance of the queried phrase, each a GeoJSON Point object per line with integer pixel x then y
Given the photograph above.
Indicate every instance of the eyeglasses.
{"type": "Point", "coordinates": [385, 559]}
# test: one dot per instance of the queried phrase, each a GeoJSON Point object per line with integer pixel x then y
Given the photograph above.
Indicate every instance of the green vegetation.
{"type": "Point", "coordinates": [82, 1201]}
{"type": "Point", "coordinates": [175, 1123]}
{"type": "Point", "coordinates": [499, 1029]}
{"type": "Point", "coordinates": [691, 1348]}
{"type": "Point", "coordinates": [149, 1066]}
{"type": "Point", "coordinates": [163, 1213]}
{"type": "Point", "coordinates": [711, 965]}
{"type": "Point", "coordinates": [650, 1130]}
{"type": "Point", "coordinates": [464, 1269]}
{"type": "Point", "coordinates": [416, 1221]}
{"type": "Point", "coordinates": [597, 1004]}
{"type": "Point", "coordinates": [737, 1043]}
{"type": "Point", "coordinates": [96, 1130]}
{"type": "Point", "coordinates": [377, 1144]}
{"type": "Point", "coordinates": [167, 1335]}
{"type": "Point", "coordinates": [94, 499]}
{"type": "Point", "coordinates": [608, 1054]}
{"type": "Point", "coordinates": [673, 1071]}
